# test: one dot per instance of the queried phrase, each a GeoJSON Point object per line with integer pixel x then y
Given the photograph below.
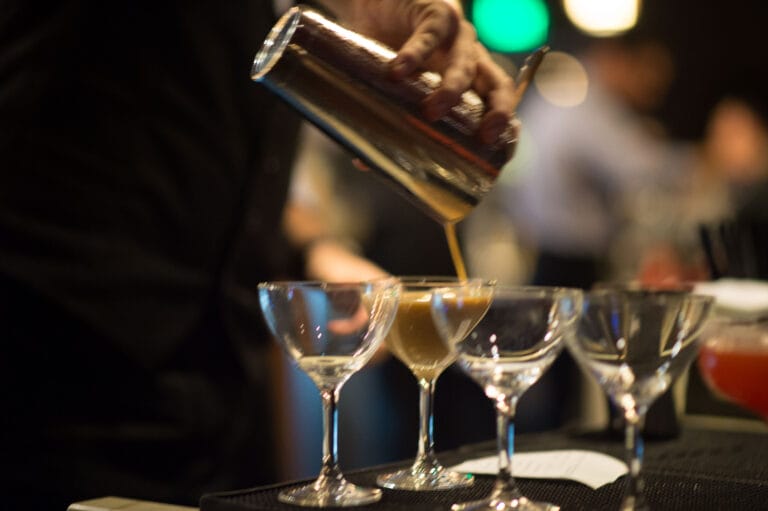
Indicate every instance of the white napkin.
{"type": "Point", "coordinates": [593, 469]}
{"type": "Point", "coordinates": [737, 296]}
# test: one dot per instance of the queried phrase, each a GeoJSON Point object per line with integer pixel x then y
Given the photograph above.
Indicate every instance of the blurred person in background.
{"type": "Point", "coordinates": [141, 190]}
{"type": "Point", "coordinates": [736, 160]}
{"type": "Point", "coordinates": [717, 227]}
{"type": "Point", "coordinates": [586, 159]}
{"type": "Point", "coordinates": [584, 155]}
{"type": "Point", "coordinates": [604, 195]}
{"type": "Point", "coordinates": [730, 183]}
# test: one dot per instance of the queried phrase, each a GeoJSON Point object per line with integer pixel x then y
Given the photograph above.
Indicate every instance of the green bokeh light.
{"type": "Point", "coordinates": [509, 26]}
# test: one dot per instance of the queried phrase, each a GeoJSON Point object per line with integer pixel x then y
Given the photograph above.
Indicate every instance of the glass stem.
{"type": "Point", "coordinates": [330, 468]}
{"type": "Point", "coordinates": [425, 456]}
{"type": "Point", "coordinates": [505, 487]}
{"type": "Point", "coordinates": [634, 498]}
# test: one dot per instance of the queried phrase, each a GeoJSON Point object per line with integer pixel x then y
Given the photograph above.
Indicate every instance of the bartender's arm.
{"type": "Point", "coordinates": [435, 35]}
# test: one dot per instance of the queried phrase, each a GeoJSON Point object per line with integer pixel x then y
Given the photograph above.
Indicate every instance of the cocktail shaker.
{"type": "Point", "coordinates": [341, 82]}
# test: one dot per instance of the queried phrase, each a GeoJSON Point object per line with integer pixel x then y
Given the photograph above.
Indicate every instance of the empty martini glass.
{"type": "Point", "coordinates": [330, 331]}
{"type": "Point", "coordinates": [505, 339]}
{"type": "Point", "coordinates": [636, 343]}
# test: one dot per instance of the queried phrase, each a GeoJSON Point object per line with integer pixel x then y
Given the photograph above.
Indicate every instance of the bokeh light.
{"type": "Point", "coordinates": [562, 80]}
{"type": "Point", "coordinates": [510, 26]}
{"type": "Point", "coordinates": [603, 17]}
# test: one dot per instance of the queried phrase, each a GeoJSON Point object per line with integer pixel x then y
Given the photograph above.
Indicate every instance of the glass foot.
{"type": "Point", "coordinates": [634, 503]}
{"type": "Point", "coordinates": [495, 504]}
{"type": "Point", "coordinates": [330, 493]}
{"type": "Point", "coordinates": [415, 480]}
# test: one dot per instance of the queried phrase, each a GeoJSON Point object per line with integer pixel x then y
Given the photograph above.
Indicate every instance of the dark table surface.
{"type": "Point", "coordinates": [698, 469]}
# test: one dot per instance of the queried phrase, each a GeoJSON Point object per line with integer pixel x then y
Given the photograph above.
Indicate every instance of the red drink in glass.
{"type": "Point", "coordinates": [734, 363]}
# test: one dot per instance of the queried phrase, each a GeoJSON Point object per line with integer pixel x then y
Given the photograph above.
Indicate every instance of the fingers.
{"type": "Point", "coordinates": [497, 88]}
{"type": "Point", "coordinates": [434, 26]}
{"type": "Point", "coordinates": [459, 72]}
{"type": "Point", "coordinates": [442, 40]}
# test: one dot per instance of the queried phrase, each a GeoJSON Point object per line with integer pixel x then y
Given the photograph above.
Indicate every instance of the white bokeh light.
{"type": "Point", "coordinates": [562, 80]}
{"type": "Point", "coordinates": [603, 17]}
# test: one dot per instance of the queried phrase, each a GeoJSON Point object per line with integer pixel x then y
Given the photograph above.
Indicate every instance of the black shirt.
{"type": "Point", "coordinates": [142, 176]}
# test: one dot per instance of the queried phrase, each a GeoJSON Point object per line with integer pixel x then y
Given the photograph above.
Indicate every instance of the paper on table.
{"type": "Point", "coordinates": [593, 469]}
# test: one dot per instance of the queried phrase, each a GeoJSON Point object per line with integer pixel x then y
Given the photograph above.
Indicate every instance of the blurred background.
{"type": "Point", "coordinates": [646, 120]}
{"type": "Point", "coordinates": [715, 44]}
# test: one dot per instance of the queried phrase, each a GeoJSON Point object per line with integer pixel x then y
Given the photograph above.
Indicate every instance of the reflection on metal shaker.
{"type": "Point", "coordinates": [340, 81]}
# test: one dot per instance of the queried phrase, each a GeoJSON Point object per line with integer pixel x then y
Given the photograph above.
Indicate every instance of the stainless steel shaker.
{"type": "Point", "coordinates": [340, 81]}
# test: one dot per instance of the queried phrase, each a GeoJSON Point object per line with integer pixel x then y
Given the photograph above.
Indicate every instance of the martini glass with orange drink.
{"type": "Point", "coordinates": [414, 340]}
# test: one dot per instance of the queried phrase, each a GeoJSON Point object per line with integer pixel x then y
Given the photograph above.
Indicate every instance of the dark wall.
{"type": "Point", "coordinates": [720, 47]}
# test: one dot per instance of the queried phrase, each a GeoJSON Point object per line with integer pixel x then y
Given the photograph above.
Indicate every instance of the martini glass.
{"type": "Point", "coordinates": [505, 349]}
{"type": "Point", "coordinates": [414, 340]}
{"type": "Point", "coordinates": [330, 331]}
{"type": "Point", "coordinates": [636, 343]}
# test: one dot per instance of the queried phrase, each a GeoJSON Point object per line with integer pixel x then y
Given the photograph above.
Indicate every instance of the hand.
{"type": "Point", "coordinates": [435, 35]}
{"type": "Point", "coordinates": [331, 261]}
